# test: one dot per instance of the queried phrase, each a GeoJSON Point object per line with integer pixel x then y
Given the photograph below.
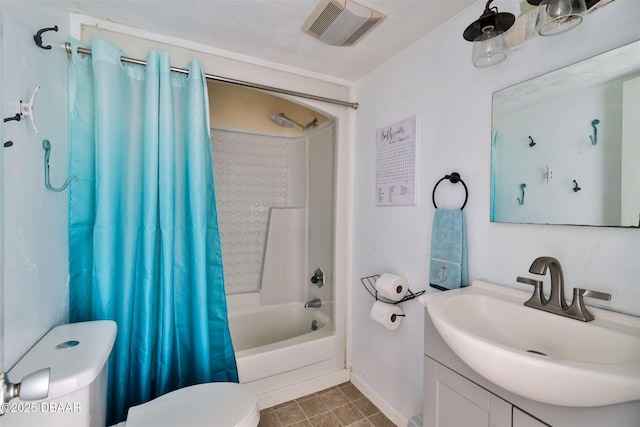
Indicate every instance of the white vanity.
{"type": "Point", "coordinates": [552, 370]}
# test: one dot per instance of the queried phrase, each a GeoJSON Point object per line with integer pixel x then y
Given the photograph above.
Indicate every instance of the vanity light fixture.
{"type": "Point", "coordinates": [558, 16]}
{"type": "Point", "coordinates": [487, 35]}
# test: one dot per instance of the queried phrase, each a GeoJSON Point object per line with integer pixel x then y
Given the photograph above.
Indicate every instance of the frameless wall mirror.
{"type": "Point", "coordinates": [566, 145]}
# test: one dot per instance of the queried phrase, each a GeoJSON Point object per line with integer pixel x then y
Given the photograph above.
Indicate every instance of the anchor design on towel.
{"type": "Point", "coordinates": [443, 276]}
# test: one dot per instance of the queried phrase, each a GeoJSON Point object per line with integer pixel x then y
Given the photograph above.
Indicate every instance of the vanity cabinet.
{"type": "Point", "coordinates": [452, 400]}
{"type": "Point", "coordinates": [522, 419]}
{"type": "Point", "coordinates": [455, 395]}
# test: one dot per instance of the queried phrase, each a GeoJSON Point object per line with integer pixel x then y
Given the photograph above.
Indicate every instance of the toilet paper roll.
{"type": "Point", "coordinates": [392, 287]}
{"type": "Point", "coordinates": [388, 315]}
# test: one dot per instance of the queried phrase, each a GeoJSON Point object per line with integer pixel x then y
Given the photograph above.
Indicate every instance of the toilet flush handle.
{"type": "Point", "coordinates": [34, 386]}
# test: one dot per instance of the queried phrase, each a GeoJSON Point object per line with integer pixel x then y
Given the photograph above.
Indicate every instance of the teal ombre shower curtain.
{"type": "Point", "coordinates": [144, 246]}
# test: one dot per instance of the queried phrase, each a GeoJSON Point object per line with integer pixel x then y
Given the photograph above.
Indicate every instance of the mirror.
{"type": "Point", "coordinates": [566, 145]}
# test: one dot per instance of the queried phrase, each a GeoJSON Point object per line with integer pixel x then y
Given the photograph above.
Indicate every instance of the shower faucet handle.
{"type": "Point", "coordinates": [318, 277]}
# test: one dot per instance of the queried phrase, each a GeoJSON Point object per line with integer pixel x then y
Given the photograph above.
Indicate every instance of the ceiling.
{"type": "Point", "coordinates": [270, 29]}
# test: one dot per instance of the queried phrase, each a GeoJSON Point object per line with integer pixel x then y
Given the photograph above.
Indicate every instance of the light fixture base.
{"type": "Point", "coordinates": [491, 20]}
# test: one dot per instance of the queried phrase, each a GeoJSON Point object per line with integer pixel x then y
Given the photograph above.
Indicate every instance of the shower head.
{"type": "Point", "coordinates": [281, 120]}
{"type": "Point", "coordinates": [285, 122]}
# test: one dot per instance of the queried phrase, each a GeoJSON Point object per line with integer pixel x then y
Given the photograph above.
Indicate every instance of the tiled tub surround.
{"type": "Point", "coordinates": [338, 406]}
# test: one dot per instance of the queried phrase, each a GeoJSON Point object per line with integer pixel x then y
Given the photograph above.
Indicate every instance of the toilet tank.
{"type": "Point", "coordinates": [78, 355]}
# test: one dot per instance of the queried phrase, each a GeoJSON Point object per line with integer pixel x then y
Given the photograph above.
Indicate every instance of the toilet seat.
{"type": "Point", "coordinates": [212, 404]}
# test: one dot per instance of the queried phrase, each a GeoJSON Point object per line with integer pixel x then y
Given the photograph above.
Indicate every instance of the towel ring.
{"type": "Point", "coordinates": [454, 178]}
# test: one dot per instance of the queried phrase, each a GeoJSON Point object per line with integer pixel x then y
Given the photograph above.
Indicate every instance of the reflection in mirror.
{"type": "Point", "coordinates": [569, 141]}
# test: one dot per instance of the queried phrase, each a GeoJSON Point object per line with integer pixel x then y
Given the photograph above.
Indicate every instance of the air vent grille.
{"type": "Point", "coordinates": [341, 22]}
{"type": "Point", "coordinates": [326, 17]}
{"type": "Point", "coordinates": [360, 32]}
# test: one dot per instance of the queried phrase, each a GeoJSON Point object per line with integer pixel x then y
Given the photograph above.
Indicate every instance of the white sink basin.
{"type": "Point", "coordinates": [539, 355]}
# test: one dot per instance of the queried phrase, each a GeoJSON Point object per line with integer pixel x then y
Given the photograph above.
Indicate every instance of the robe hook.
{"type": "Point", "coordinates": [38, 37]}
{"type": "Point", "coordinates": [521, 199]}
{"type": "Point", "coordinates": [47, 182]}
{"type": "Point", "coordinates": [594, 137]}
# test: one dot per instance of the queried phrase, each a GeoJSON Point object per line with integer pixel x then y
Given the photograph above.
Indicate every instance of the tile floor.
{"type": "Point", "coordinates": [338, 406]}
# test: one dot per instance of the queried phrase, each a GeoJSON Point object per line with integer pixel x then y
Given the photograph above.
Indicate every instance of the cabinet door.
{"type": "Point", "coordinates": [453, 401]}
{"type": "Point", "coordinates": [522, 419]}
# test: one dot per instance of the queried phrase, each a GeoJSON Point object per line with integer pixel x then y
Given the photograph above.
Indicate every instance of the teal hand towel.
{"type": "Point", "coordinates": [448, 265]}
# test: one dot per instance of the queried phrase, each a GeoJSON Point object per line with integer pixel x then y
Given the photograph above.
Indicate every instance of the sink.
{"type": "Point", "coordinates": [539, 355]}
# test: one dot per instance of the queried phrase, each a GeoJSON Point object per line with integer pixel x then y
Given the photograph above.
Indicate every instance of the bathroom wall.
{"type": "Point", "coordinates": [35, 226]}
{"type": "Point", "coordinates": [435, 81]}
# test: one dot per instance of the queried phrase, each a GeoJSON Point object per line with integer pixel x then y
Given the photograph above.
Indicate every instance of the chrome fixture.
{"type": "Point", "coordinates": [227, 80]}
{"type": "Point", "coordinates": [487, 35]}
{"type": "Point", "coordinates": [285, 122]}
{"type": "Point", "coordinates": [34, 386]}
{"type": "Point", "coordinates": [558, 16]}
{"type": "Point", "coordinates": [314, 303]}
{"type": "Point", "coordinates": [556, 302]}
{"type": "Point", "coordinates": [318, 277]}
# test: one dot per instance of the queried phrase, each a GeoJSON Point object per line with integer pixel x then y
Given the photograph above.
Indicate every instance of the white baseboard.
{"type": "Point", "coordinates": [297, 390]}
{"type": "Point", "coordinates": [388, 410]}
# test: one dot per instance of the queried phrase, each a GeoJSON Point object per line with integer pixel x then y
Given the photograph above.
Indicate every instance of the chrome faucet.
{"type": "Point", "coordinates": [315, 303]}
{"type": "Point", "coordinates": [556, 302]}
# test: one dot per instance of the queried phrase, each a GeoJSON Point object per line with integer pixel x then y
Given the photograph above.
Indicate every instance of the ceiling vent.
{"type": "Point", "coordinates": [341, 22]}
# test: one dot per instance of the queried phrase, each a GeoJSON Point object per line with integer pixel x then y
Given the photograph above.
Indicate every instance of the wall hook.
{"type": "Point", "coordinates": [26, 110]}
{"type": "Point", "coordinates": [594, 137]}
{"type": "Point", "coordinates": [576, 187]}
{"type": "Point", "coordinates": [549, 174]}
{"type": "Point", "coordinates": [17, 118]}
{"type": "Point", "coordinates": [47, 151]}
{"type": "Point", "coordinates": [38, 37]}
{"type": "Point", "coordinates": [521, 200]}
{"type": "Point", "coordinates": [532, 143]}
{"type": "Point", "coordinates": [8, 144]}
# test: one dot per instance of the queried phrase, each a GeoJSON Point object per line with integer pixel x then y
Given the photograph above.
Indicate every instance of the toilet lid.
{"type": "Point", "coordinates": [212, 404]}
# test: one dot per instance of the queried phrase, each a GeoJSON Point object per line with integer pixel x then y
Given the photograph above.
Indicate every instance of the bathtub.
{"type": "Point", "coordinates": [275, 339]}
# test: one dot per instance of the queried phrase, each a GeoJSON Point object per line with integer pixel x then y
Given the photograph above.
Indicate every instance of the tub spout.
{"type": "Point", "coordinates": [316, 302]}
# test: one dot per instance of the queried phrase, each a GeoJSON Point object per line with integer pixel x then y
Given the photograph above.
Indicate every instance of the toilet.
{"type": "Point", "coordinates": [78, 355]}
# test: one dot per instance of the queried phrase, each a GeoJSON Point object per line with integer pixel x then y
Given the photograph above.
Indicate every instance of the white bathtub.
{"type": "Point", "coordinates": [275, 339]}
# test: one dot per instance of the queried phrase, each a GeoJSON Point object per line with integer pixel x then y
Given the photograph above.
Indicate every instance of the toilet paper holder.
{"type": "Point", "coordinates": [369, 283]}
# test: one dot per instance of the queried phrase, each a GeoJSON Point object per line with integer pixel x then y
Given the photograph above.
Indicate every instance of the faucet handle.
{"type": "Point", "coordinates": [577, 310]}
{"type": "Point", "coordinates": [528, 281]}
{"type": "Point", "coordinates": [318, 277]}
{"type": "Point", "coordinates": [579, 292]}
{"type": "Point", "coordinates": [537, 299]}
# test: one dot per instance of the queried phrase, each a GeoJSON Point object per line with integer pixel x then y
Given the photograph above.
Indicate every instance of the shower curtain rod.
{"type": "Point", "coordinates": [228, 80]}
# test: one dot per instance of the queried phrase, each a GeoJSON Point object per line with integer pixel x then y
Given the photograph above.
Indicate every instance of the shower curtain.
{"type": "Point", "coordinates": [144, 246]}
